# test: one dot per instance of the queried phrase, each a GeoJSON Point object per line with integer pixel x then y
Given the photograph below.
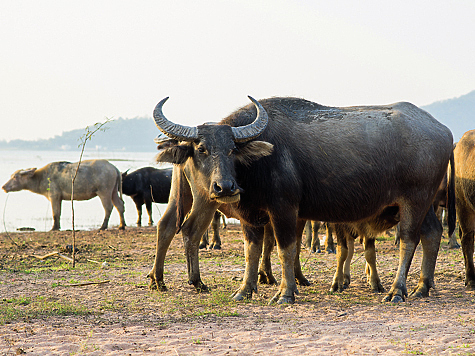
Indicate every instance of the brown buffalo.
{"type": "Point", "coordinates": [54, 181]}
{"type": "Point", "coordinates": [465, 192]}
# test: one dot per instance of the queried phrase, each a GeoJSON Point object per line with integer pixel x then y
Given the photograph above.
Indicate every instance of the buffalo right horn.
{"type": "Point", "coordinates": [172, 130]}
{"type": "Point", "coordinates": [254, 129]}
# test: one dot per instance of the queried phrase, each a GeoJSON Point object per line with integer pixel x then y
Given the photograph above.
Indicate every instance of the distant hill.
{"type": "Point", "coordinates": [457, 114]}
{"type": "Point", "coordinates": [119, 135]}
{"type": "Point", "coordinates": [137, 134]}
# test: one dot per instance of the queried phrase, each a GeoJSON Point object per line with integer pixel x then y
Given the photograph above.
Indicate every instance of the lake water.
{"type": "Point", "coordinates": [27, 209]}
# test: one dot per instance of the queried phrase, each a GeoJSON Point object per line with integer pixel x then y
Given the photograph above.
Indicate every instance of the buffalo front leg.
{"type": "Point", "coordinates": [285, 229]}
{"type": "Point", "coordinates": [166, 229]}
{"type": "Point", "coordinates": [431, 235]}
{"type": "Point", "coordinates": [193, 229]}
{"type": "Point", "coordinates": [253, 237]}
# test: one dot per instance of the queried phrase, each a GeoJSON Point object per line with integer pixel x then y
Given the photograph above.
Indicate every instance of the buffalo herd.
{"type": "Point", "coordinates": [279, 163]}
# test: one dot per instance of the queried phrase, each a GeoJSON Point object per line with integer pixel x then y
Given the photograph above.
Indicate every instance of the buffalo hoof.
{"type": "Point", "coordinates": [470, 285]}
{"type": "Point", "coordinates": [454, 246]}
{"type": "Point", "coordinates": [121, 227]}
{"type": "Point", "coordinates": [336, 287]}
{"type": "Point", "coordinates": [284, 299]}
{"type": "Point", "coordinates": [202, 246]}
{"type": "Point", "coordinates": [329, 250]}
{"type": "Point", "coordinates": [200, 287]}
{"type": "Point", "coordinates": [242, 294]}
{"type": "Point", "coordinates": [378, 288]}
{"type": "Point", "coordinates": [420, 292]}
{"type": "Point", "coordinates": [216, 247]}
{"type": "Point", "coordinates": [266, 278]}
{"type": "Point", "coordinates": [158, 286]}
{"type": "Point", "coordinates": [394, 299]}
{"type": "Point", "coordinates": [316, 250]}
{"type": "Point", "coordinates": [302, 281]}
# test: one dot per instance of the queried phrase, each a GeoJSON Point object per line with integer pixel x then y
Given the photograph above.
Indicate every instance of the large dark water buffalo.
{"type": "Point", "coordinates": [95, 177]}
{"type": "Point", "coordinates": [288, 160]}
{"type": "Point", "coordinates": [465, 192]}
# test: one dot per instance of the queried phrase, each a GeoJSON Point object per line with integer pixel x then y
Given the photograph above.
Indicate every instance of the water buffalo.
{"type": "Point", "coordinates": [465, 193]}
{"type": "Point", "coordinates": [147, 185]}
{"type": "Point", "coordinates": [95, 177]}
{"type": "Point", "coordinates": [288, 160]}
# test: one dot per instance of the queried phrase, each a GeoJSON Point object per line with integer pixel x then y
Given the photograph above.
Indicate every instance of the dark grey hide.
{"type": "Point", "coordinates": [306, 162]}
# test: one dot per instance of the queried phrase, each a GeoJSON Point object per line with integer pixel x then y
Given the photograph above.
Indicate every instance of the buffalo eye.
{"type": "Point", "coordinates": [233, 151]}
{"type": "Point", "coordinates": [201, 149]}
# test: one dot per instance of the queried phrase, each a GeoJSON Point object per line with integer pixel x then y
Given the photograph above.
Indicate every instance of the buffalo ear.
{"type": "Point", "coordinates": [252, 151]}
{"type": "Point", "coordinates": [27, 172]}
{"type": "Point", "coordinates": [176, 154]}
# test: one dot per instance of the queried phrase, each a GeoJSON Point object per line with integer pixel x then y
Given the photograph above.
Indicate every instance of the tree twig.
{"type": "Point", "coordinates": [87, 283]}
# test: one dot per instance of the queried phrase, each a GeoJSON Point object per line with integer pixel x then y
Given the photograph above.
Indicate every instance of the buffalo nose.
{"type": "Point", "coordinates": [224, 188]}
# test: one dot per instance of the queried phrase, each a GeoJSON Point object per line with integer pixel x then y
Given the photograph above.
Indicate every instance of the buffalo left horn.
{"type": "Point", "coordinates": [254, 129]}
{"type": "Point", "coordinates": [172, 130]}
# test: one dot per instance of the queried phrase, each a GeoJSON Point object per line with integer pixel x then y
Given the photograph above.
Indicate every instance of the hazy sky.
{"type": "Point", "coordinates": [68, 64]}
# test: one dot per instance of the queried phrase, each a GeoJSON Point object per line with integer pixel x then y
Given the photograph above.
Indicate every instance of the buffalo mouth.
{"type": "Point", "coordinates": [229, 199]}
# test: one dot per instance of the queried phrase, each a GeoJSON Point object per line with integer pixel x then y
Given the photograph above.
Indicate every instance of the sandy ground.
{"type": "Point", "coordinates": [125, 318]}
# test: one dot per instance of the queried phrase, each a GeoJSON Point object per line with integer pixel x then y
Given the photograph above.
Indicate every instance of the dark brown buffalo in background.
{"type": "Point", "coordinates": [95, 177]}
{"type": "Point", "coordinates": [465, 193]}
{"type": "Point", "coordinates": [147, 185]}
{"type": "Point", "coordinates": [288, 160]}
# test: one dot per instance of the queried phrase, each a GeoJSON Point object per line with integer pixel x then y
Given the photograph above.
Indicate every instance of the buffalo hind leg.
{"type": "Point", "coordinates": [343, 252]}
{"type": "Point", "coordinates": [216, 242]}
{"type": "Point", "coordinates": [148, 206]}
{"type": "Point", "coordinates": [265, 267]}
{"type": "Point", "coordinates": [466, 219]}
{"type": "Point", "coordinates": [329, 244]}
{"type": "Point", "coordinates": [253, 238]}
{"type": "Point", "coordinates": [431, 235]}
{"type": "Point", "coordinates": [409, 238]}
{"type": "Point", "coordinates": [299, 277]}
{"type": "Point", "coordinates": [119, 205]}
{"type": "Point", "coordinates": [56, 208]}
{"type": "Point", "coordinates": [312, 240]}
{"type": "Point", "coordinates": [370, 268]}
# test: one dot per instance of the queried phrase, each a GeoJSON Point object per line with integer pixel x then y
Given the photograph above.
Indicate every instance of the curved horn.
{"type": "Point", "coordinates": [172, 130]}
{"type": "Point", "coordinates": [254, 129]}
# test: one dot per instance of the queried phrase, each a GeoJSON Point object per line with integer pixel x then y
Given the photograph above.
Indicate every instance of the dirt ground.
{"type": "Point", "coordinates": [49, 308]}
